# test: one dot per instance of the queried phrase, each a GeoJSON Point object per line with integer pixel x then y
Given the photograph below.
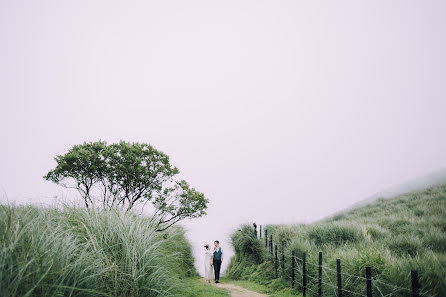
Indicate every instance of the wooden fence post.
{"type": "Point", "coordinates": [368, 276]}
{"type": "Point", "coordinates": [304, 274]}
{"type": "Point", "coordinates": [338, 268]}
{"type": "Point", "coordinates": [293, 268]}
{"type": "Point", "coordinates": [271, 244]}
{"type": "Point", "coordinates": [276, 260]}
{"type": "Point", "coordinates": [283, 256]}
{"type": "Point", "coordinates": [266, 238]}
{"type": "Point", "coordinates": [415, 284]}
{"type": "Point", "coordinates": [319, 291]}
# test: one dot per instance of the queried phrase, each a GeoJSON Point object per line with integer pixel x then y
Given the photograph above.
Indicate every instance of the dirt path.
{"type": "Point", "coordinates": [237, 291]}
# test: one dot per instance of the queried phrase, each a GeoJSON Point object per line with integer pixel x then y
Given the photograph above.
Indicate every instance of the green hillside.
{"type": "Point", "coordinates": [79, 252]}
{"type": "Point", "coordinates": [392, 236]}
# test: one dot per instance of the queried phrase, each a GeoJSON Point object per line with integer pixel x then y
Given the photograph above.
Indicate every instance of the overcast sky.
{"type": "Point", "coordinates": [279, 111]}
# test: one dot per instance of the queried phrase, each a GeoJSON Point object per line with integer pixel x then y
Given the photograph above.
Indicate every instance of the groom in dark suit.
{"type": "Point", "coordinates": [217, 259]}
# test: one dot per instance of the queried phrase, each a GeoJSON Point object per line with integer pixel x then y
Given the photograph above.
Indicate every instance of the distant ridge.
{"type": "Point", "coordinates": [436, 177]}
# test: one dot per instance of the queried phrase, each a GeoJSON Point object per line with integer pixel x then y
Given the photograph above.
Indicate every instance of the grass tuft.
{"type": "Point", "coordinates": [78, 252]}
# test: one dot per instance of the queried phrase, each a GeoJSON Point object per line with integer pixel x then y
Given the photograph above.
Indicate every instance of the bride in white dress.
{"type": "Point", "coordinates": [208, 263]}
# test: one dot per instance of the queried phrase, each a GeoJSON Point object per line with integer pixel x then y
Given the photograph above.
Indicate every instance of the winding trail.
{"type": "Point", "coordinates": [237, 291]}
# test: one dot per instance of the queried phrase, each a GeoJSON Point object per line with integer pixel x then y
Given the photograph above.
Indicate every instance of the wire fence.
{"type": "Point", "coordinates": [333, 281]}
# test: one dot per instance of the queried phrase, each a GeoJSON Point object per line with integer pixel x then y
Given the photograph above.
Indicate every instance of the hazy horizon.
{"type": "Point", "coordinates": [293, 108]}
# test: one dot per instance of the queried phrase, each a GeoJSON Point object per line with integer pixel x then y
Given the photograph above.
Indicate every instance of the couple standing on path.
{"type": "Point", "coordinates": [213, 258]}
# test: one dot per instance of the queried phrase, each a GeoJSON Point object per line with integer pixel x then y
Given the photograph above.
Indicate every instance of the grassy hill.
{"type": "Point", "coordinates": [392, 236]}
{"type": "Point", "coordinates": [76, 252]}
{"type": "Point", "coordinates": [420, 183]}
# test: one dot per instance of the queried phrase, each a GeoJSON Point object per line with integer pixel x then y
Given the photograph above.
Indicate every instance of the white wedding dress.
{"type": "Point", "coordinates": [208, 271]}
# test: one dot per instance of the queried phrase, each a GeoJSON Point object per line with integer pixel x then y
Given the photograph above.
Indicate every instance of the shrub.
{"type": "Point", "coordinates": [435, 240]}
{"type": "Point", "coordinates": [431, 271]}
{"type": "Point", "coordinates": [338, 217]}
{"type": "Point", "coordinates": [300, 245]}
{"type": "Point", "coordinates": [418, 212]}
{"type": "Point", "coordinates": [405, 244]}
{"type": "Point", "coordinates": [240, 268]}
{"type": "Point", "coordinates": [376, 232]}
{"type": "Point", "coordinates": [284, 233]}
{"type": "Point", "coordinates": [246, 244]}
{"type": "Point", "coordinates": [262, 273]}
{"type": "Point", "coordinates": [249, 252]}
{"type": "Point", "coordinates": [354, 259]}
{"type": "Point", "coordinates": [334, 233]}
{"type": "Point", "coordinates": [395, 225]}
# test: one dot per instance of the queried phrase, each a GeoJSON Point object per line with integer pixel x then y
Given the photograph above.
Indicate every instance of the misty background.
{"type": "Point", "coordinates": [268, 107]}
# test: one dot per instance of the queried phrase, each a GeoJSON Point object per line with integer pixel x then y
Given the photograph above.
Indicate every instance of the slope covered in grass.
{"type": "Point", "coordinates": [75, 252]}
{"type": "Point", "coordinates": [392, 236]}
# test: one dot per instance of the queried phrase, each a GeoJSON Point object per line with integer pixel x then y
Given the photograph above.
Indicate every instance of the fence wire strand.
{"type": "Point", "coordinates": [325, 268]}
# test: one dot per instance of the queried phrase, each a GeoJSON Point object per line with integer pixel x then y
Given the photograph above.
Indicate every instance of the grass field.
{"type": "Point", "coordinates": [392, 236]}
{"type": "Point", "coordinates": [76, 252]}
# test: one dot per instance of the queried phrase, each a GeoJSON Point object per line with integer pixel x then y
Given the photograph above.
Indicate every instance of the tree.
{"type": "Point", "coordinates": [137, 172]}
{"type": "Point", "coordinates": [127, 174]}
{"type": "Point", "coordinates": [179, 202]}
{"type": "Point", "coordinates": [81, 168]}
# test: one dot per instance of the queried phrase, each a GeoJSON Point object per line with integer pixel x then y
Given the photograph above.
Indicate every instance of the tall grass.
{"type": "Point", "coordinates": [393, 236]}
{"type": "Point", "coordinates": [75, 252]}
{"type": "Point", "coordinates": [248, 252]}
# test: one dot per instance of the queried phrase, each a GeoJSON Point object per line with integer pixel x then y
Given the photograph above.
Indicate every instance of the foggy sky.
{"type": "Point", "coordinates": [279, 111]}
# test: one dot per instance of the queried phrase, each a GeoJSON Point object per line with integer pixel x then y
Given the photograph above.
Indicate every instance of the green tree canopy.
{"type": "Point", "coordinates": [127, 174]}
